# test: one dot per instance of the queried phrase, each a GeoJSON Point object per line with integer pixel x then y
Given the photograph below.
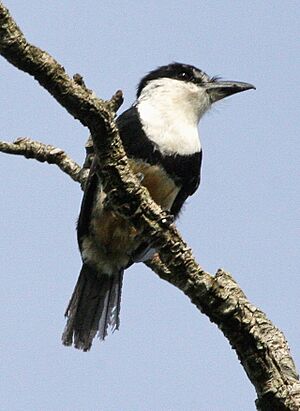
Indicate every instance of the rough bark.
{"type": "Point", "coordinates": [44, 153]}
{"type": "Point", "coordinates": [260, 346]}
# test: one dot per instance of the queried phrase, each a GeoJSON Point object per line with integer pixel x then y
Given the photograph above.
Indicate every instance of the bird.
{"type": "Point", "coordinates": [160, 135]}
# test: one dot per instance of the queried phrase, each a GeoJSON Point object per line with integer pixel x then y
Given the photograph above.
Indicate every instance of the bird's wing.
{"type": "Point", "coordinates": [188, 172]}
{"type": "Point", "coordinates": [83, 223]}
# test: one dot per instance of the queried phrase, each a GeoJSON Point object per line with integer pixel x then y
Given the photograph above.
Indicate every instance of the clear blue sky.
{"type": "Point", "coordinates": [244, 218]}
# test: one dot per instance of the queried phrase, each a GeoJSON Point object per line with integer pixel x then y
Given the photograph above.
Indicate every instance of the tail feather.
{"type": "Point", "coordinates": [112, 302]}
{"type": "Point", "coordinates": [94, 306]}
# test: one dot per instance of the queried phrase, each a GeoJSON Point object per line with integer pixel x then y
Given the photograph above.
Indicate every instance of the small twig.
{"type": "Point", "coordinates": [79, 80]}
{"type": "Point", "coordinates": [43, 153]}
{"type": "Point", "coordinates": [116, 101]}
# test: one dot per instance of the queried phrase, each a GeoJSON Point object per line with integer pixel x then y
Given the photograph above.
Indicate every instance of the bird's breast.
{"type": "Point", "coordinates": [160, 185]}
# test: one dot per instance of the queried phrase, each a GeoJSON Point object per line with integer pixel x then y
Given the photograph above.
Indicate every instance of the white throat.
{"type": "Point", "coordinates": [170, 111]}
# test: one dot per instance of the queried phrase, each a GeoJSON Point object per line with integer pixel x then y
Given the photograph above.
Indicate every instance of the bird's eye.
{"type": "Point", "coordinates": [184, 75]}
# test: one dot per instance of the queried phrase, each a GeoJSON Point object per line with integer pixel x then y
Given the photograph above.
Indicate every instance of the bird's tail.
{"type": "Point", "coordinates": [94, 305]}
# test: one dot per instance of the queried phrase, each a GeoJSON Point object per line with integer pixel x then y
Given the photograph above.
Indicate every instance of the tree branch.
{"type": "Point", "coordinates": [261, 347]}
{"type": "Point", "coordinates": [44, 153]}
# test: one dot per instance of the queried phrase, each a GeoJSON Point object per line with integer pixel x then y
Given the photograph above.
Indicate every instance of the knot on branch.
{"type": "Point", "coordinates": [78, 79]}
{"type": "Point", "coordinates": [42, 152]}
{"type": "Point", "coordinates": [116, 101]}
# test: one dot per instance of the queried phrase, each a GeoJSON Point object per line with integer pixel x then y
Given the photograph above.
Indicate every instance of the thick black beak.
{"type": "Point", "coordinates": [221, 89]}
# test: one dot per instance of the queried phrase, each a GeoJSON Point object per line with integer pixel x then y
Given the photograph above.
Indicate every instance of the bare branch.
{"type": "Point", "coordinates": [74, 97]}
{"type": "Point", "coordinates": [261, 347]}
{"type": "Point", "coordinates": [43, 153]}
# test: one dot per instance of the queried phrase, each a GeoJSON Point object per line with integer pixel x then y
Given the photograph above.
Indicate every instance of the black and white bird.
{"type": "Point", "coordinates": [160, 135]}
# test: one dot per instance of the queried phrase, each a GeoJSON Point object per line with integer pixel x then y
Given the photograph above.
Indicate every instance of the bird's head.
{"type": "Point", "coordinates": [186, 87]}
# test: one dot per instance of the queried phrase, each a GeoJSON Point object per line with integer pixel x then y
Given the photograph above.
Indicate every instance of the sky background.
{"type": "Point", "coordinates": [244, 218]}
